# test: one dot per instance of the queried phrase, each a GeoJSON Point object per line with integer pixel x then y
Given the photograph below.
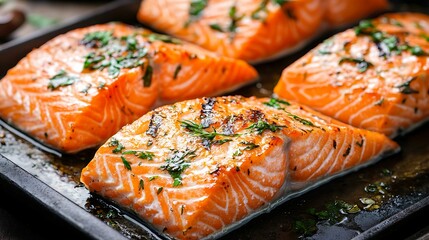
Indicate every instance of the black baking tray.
{"type": "Point", "coordinates": [49, 182]}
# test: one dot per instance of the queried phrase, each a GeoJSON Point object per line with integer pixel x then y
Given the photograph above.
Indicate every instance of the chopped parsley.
{"type": "Point", "coordinates": [97, 39]}
{"type": "Point", "coordinates": [113, 53]}
{"type": "Point", "coordinates": [61, 79]}
{"type": "Point", "coordinates": [301, 120]}
{"type": "Point", "coordinates": [152, 178]}
{"type": "Point", "coordinates": [386, 43]}
{"type": "Point", "coordinates": [147, 77]}
{"type": "Point", "coordinates": [115, 143]}
{"type": "Point", "coordinates": [405, 87]}
{"type": "Point", "coordinates": [362, 64]}
{"type": "Point", "coordinates": [216, 27]}
{"type": "Point", "coordinates": [198, 130]}
{"type": "Point", "coordinates": [276, 103]}
{"type": "Point", "coordinates": [195, 10]}
{"type": "Point", "coordinates": [159, 190]}
{"type": "Point", "coordinates": [153, 37]}
{"type": "Point", "coordinates": [127, 164]}
{"type": "Point", "coordinates": [141, 185]}
{"type": "Point", "coordinates": [256, 14]}
{"type": "Point", "coordinates": [261, 126]}
{"type": "Point", "coordinates": [177, 164]}
{"type": "Point", "coordinates": [140, 154]}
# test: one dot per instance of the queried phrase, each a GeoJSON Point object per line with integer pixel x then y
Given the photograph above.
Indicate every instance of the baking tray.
{"type": "Point", "coordinates": [48, 181]}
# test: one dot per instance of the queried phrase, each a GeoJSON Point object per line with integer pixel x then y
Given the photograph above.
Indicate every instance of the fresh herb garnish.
{"type": "Point", "coordinates": [425, 36]}
{"type": "Point", "coordinates": [114, 53]}
{"type": "Point", "coordinates": [141, 185]}
{"type": "Point", "coordinates": [362, 64]}
{"type": "Point", "coordinates": [127, 164]}
{"type": "Point", "coordinates": [280, 2]}
{"type": "Point", "coordinates": [261, 126]}
{"type": "Point", "coordinates": [147, 77]}
{"type": "Point", "coordinates": [275, 103]}
{"type": "Point", "coordinates": [301, 120]}
{"type": "Point", "coordinates": [305, 227]}
{"type": "Point", "coordinates": [249, 146]}
{"type": "Point", "coordinates": [386, 43]}
{"type": "Point", "coordinates": [256, 14]}
{"type": "Point", "coordinates": [61, 79]}
{"type": "Point", "coordinates": [234, 19]}
{"type": "Point", "coordinates": [153, 37]}
{"type": "Point", "coordinates": [159, 190]}
{"type": "Point", "coordinates": [115, 143]}
{"type": "Point", "coordinates": [405, 87]}
{"type": "Point", "coordinates": [195, 10]}
{"type": "Point", "coordinates": [176, 71]}
{"type": "Point", "coordinates": [152, 178]}
{"type": "Point", "coordinates": [97, 39]}
{"type": "Point", "coordinates": [140, 154]}
{"type": "Point", "coordinates": [177, 163]}
{"type": "Point", "coordinates": [216, 27]}
{"type": "Point", "coordinates": [198, 130]}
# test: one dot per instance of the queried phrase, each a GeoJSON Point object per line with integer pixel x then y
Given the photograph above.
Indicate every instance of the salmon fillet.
{"type": "Point", "coordinates": [341, 12]}
{"type": "Point", "coordinates": [80, 88]}
{"type": "Point", "coordinates": [374, 76]}
{"type": "Point", "coordinates": [200, 166]}
{"type": "Point", "coordinates": [252, 30]}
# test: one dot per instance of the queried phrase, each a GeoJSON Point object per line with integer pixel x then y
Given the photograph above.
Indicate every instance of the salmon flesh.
{"type": "Point", "coordinates": [197, 167]}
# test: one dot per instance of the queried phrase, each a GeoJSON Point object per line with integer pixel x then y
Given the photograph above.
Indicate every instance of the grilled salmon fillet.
{"type": "Point", "coordinates": [80, 88]}
{"type": "Point", "coordinates": [252, 30]}
{"type": "Point", "coordinates": [374, 76]}
{"type": "Point", "coordinates": [199, 166]}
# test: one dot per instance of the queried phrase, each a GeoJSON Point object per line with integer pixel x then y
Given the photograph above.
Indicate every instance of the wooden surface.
{"type": "Point", "coordinates": [19, 222]}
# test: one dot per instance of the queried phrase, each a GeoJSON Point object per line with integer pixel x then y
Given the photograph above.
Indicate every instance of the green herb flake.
{"type": "Point", "coordinates": [97, 39]}
{"type": "Point", "coordinates": [425, 36]}
{"type": "Point", "coordinates": [305, 227]}
{"type": "Point", "coordinates": [147, 77]}
{"type": "Point", "coordinates": [198, 130]}
{"type": "Point", "coordinates": [159, 190]}
{"type": "Point", "coordinates": [153, 37]}
{"type": "Point", "coordinates": [301, 120]}
{"type": "Point", "coordinates": [234, 19]}
{"type": "Point", "coordinates": [195, 10]}
{"type": "Point", "coordinates": [362, 64]}
{"type": "Point", "coordinates": [127, 164]}
{"type": "Point", "coordinates": [256, 14]}
{"type": "Point", "coordinates": [152, 178]}
{"type": "Point", "coordinates": [176, 71]}
{"type": "Point", "coordinates": [182, 209]}
{"type": "Point", "coordinates": [61, 79]}
{"type": "Point", "coordinates": [216, 27]}
{"type": "Point", "coordinates": [276, 103]}
{"type": "Point", "coordinates": [115, 143]}
{"type": "Point", "coordinates": [405, 87]}
{"type": "Point", "coordinates": [141, 185]}
{"type": "Point", "coordinates": [177, 164]}
{"type": "Point", "coordinates": [249, 146]}
{"type": "Point", "coordinates": [417, 51]}
{"type": "Point", "coordinates": [113, 53]}
{"type": "Point", "coordinates": [260, 126]}
{"type": "Point", "coordinates": [140, 154]}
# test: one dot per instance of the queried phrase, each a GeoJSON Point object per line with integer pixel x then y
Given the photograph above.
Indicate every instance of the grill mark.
{"type": "Point", "coordinates": [207, 112]}
{"type": "Point", "coordinates": [155, 123]}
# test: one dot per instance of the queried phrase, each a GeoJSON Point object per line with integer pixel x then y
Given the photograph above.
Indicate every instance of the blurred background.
{"type": "Point", "coordinates": [21, 17]}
